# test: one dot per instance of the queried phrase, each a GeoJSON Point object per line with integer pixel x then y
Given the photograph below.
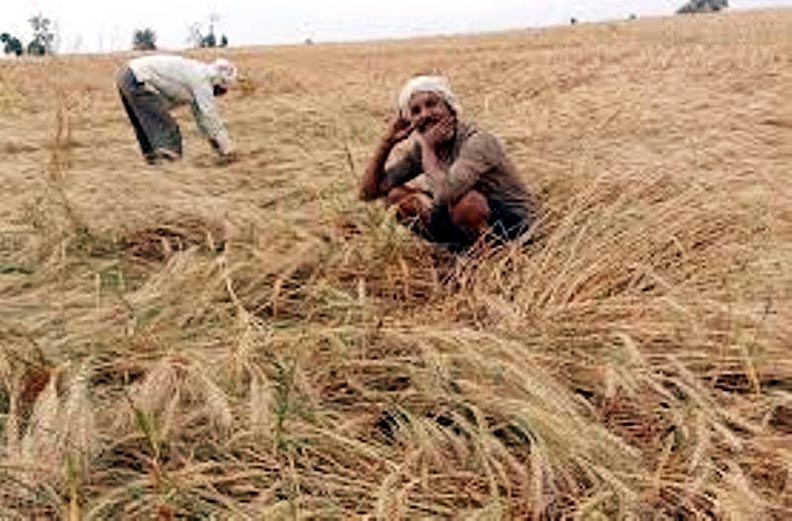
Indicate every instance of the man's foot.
{"type": "Point", "coordinates": [167, 154]}
{"type": "Point", "coordinates": [162, 155]}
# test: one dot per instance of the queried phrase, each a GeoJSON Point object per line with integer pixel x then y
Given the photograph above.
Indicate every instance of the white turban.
{"type": "Point", "coordinates": [437, 84]}
{"type": "Point", "coordinates": [222, 72]}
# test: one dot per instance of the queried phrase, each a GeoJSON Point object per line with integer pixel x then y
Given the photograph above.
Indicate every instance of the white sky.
{"type": "Point", "coordinates": [107, 25]}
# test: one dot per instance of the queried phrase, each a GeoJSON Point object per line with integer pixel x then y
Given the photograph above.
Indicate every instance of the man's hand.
{"type": "Point", "coordinates": [228, 158]}
{"type": "Point", "coordinates": [439, 133]}
{"type": "Point", "coordinates": [431, 140]}
{"type": "Point", "coordinates": [398, 130]}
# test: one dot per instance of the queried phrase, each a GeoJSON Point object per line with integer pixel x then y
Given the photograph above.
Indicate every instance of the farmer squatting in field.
{"type": "Point", "coordinates": [456, 184]}
{"type": "Point", "coordinates": [152, 85]}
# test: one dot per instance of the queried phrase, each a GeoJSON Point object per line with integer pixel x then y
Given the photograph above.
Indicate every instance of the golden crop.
{"type": "Point", "coordinates": [251, 342]}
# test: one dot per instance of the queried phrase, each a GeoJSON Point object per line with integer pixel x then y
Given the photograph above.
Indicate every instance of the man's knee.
{"type": "Point", "coordinates": [471, 213]}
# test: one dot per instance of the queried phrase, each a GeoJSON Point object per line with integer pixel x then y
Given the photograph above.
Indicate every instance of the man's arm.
{"type": "Point", "coordinates": [375, 180]}
{"type": "Point", "coordinates": [479, 154]}
{"type": "Point", "coordinates": [209, 121]}
{"type": "Point", "coordinates": [437, 173]}
{"type": "Point", "coordinates": [373, 186]}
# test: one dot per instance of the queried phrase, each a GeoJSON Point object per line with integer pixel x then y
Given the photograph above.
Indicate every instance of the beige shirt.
{"type": "Point", "coordinates": [476, 162]}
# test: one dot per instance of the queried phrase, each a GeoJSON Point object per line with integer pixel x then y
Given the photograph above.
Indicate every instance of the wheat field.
{"type": "Point", "coordinates": [196, 341]}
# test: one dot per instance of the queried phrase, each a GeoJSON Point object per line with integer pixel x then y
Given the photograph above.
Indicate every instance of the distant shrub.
{"type": "Point", "coordinates": [198, 39]}
{"type": "Point", "coordinates": [703, 6]}
{"type": "Point", "coordinates": [11, 44]}
{"type": "Point", "coordinates": [209, 40]}
{"type": "Point", "coordinates": [144, 40]}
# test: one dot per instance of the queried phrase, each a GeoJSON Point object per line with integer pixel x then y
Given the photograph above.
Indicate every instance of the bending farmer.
{"type": "Point", "coordinates": [150, 86]}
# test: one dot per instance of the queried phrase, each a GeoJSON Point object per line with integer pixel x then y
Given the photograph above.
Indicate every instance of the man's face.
{"type": "Point", "coordinates": [219, 90]}
{"type": "Point", "coordinates": [426, 109]}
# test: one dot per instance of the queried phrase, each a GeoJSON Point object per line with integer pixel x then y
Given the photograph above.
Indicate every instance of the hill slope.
{"type": "Point", "coordinates": [251, 341]}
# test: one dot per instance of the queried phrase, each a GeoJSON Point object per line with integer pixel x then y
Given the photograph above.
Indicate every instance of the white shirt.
{"type": "Point", "coordinates": [180, 81]}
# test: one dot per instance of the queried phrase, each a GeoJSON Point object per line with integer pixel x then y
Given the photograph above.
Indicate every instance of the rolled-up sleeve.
{"type": "Point", "coordinates": [208, 119]}
{"type": "Point", "coordinates": [479, 154]}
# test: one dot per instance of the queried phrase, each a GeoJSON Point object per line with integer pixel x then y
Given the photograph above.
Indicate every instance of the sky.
{"type": "Point", "coordinates": [106, 25]}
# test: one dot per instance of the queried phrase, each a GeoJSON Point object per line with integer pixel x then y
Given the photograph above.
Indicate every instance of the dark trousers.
{"type": "Point", "coordinates": [157, 132]}
{"type": "Point", "coordinates": [505, 225]}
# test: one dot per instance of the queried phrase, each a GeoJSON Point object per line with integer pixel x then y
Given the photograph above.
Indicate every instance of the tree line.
{"type": "Point", "coordinates": [144, 39]}
{"type": "Point", "coordinates": [41, 44]}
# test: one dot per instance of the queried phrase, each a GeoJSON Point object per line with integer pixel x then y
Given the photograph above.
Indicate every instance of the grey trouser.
{"type": "Point", "coordinates": [156, 131]}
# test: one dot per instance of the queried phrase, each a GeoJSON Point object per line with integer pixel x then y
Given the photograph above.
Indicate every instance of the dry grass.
{"type": "Point", "coordinates": [195, 341]}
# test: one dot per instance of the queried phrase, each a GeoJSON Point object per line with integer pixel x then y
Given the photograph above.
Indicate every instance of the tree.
{"type": "Point", "coordinates": [209, 40]}
{"type": "Point", "coordinates": [11, 44]}
{"type": "Point", "coordinates": [198, 39]}
{"type": "Point", "coordinates": [43, 36]}
{"type": "Point", "coordinates": [194, 37]}
{"type": "Point", "coordinates": [144, 40]}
